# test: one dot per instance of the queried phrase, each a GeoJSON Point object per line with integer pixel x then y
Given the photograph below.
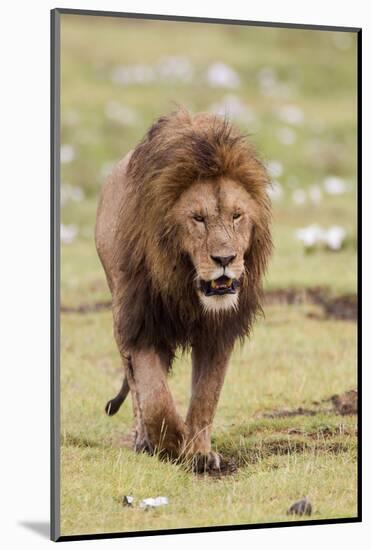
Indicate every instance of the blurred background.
{"type": "Point", "coordinates": [293, 91]}
{"type": "Point", "coordinates": [287, 414]}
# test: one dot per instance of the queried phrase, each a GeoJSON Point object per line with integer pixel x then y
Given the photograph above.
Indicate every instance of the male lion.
{"type": "Point", "coordinates": [183, 233]}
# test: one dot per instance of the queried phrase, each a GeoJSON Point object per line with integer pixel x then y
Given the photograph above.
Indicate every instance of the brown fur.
{"type": "Point", "coordinates": [151, 273]}
{"type": "Point", "coordinates": [158, 303]}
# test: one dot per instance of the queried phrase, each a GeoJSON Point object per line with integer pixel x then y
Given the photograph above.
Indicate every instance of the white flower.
{"type": "Point", "coordinates": [270, 85]}
{"type": "Point", "coordinates": [120, 113]}
{"type": "Point", "coordinates": [67, 153]}
{"type": "Point", "coordinates": [291, 114]}
{"type": "Point", "coordinates": [267, 80]}
{"type": "Point", "coordinates": [68, 233]}
{"type": "Point", "coordinates": [332, 238]}
{"type": "Point", "coordinates": [299, 196]}
{"type": "Point", "coordinates": [334, 185]}
{"type": "Point", "coordinates": [286, 136]}
{"type": "Point", "coordinates": [175, 67]}
{"type": "Point", "coordinates": [275, 168]}
{"type": "Point", "coordinates": [220, 75]}
{"type": "Point", "coordinates": [335, 237]}
{"type": "Point", "coordinates": [310, 235]}
{"type": "Point", "coordinates": [133, 74]}
{"type": "Point", "coordinates": [315, 194]}
{"type": "Point", "coordinates": [71, 193]}
{"type": "Point", "coordinates": [275, 191]}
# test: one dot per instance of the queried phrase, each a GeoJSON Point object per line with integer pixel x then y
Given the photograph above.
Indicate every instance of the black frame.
{"type": "Point", "coordinates": [55, 272]}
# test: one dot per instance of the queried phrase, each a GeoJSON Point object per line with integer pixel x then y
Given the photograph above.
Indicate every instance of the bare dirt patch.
{"type": "Point", "coordinates": [285, 413]}
{"type": "Point", "coordinates": [344, 404]}
{"type": "Point", "coordinates": [228, 467]}
{"type": "Point", "coordinates": [278, 444]}
{"type": "Point", "coordinates": [344, 307]}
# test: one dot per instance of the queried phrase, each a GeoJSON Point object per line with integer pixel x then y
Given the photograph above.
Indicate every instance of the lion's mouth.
{"type": "Point", "coordinates": [217, 287]}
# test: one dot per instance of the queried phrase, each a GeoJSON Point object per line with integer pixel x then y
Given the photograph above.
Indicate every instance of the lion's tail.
{"type": "Point", "coordinates": [114, 404]}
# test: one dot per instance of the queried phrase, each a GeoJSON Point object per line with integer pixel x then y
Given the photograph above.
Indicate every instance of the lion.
{"type": "Point", "coordinates": [183, 234]}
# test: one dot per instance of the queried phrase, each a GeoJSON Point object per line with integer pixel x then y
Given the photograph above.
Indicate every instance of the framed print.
{"type": "Point", "coordinates": [205, 274]}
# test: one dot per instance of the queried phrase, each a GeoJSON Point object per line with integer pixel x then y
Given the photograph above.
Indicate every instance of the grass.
{"type": "Point", "coordinates": [292, 359]}
{"type": "Point", "coordinates": [259, 495]}
{"type": "Point", "coordinates": [280, 459]}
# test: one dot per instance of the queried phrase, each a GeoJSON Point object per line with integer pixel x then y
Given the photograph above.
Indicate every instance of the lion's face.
{"type": "Point", "coordinates": [216, 221]}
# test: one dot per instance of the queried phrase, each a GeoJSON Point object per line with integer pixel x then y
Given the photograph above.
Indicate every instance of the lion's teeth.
{"type": "Point", "coordinates": [213, 284]}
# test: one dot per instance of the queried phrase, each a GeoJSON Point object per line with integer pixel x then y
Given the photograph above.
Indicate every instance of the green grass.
{"type": "Point", "coordinates": [287, 364]}
{"type": "Point", "coordinates": [291, 360]}
{"type": "Point", "coordinates": [318, 77]}
{"type": "Point", "coordinates": [259, 494]}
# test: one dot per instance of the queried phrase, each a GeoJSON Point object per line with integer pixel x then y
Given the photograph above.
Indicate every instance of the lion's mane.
{"type": "Point", "coordinates": [157, 303]}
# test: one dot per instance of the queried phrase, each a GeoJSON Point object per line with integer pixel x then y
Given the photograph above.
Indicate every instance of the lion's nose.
{"type": "Point", "coordinates": [223, 260]}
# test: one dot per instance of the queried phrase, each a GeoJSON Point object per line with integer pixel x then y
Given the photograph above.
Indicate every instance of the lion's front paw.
{"type": "Point", "coordinates": [212, 463]}
{"type": "Point", "coordinates": [202, 463]}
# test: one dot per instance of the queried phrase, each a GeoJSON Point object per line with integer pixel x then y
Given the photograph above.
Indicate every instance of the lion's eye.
{"type": "Point", "coordinates": [199, 219]}
{"type": "Point", "coordinates": [236, 216]}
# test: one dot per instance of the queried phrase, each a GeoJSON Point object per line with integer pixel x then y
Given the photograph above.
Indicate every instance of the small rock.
{"type": "Point", "coordinates": [301, 507]}
{"type": "Point", "coordinates": [148, 503]}
{"type": "Point", "coordinates": [127, 500]}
